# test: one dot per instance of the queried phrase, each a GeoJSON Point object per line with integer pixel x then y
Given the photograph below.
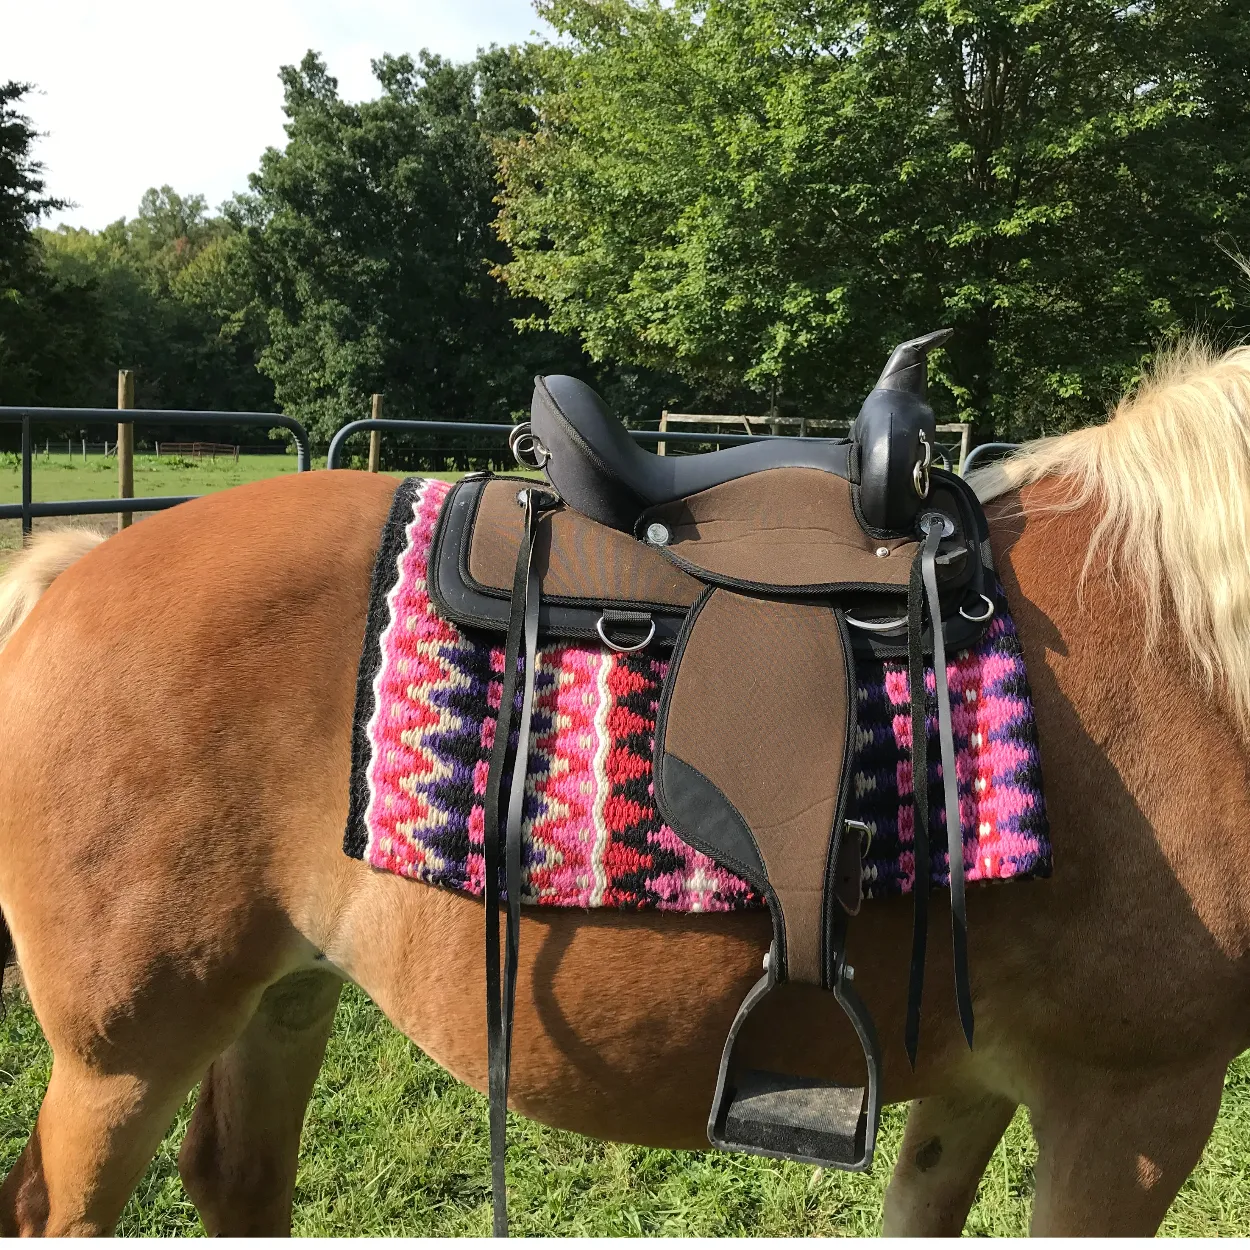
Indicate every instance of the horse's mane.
{"type": "Point", "coordinates": [1171, 471]}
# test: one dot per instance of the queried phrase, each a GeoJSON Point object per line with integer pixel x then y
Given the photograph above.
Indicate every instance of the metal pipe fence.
{"type": "Point", "coordinates": [28, 510]}
{"type": "Point", "coordinates": [985, 450]}
{"type": "Point", "coordinates": [334, 459]}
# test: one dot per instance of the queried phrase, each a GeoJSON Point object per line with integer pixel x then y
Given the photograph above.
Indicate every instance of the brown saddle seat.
{"type": "Point", "coordinates": [765, 585]}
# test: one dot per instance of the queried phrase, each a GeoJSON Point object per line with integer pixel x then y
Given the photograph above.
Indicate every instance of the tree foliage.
{"type": "Point", "coordinates": [163, 293]}
{"type": "Point", "coordinates": [369, 247]}
{"type": "Point", "coordinates": [773, 192]}
{"type": "Point", "coordinates": [25, 290]}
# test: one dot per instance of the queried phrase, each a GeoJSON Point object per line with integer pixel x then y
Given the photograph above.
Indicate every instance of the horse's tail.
{"type": "Point", "coordinates": [29, 574]}
{"type": "Point", "coordinates": [32, 571]}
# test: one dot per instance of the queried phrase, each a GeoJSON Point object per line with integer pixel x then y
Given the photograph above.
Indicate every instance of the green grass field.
{"type": "Point", "coordinates": [59, 477]}
{"type": "Point", "coordinates": [392, 1145]}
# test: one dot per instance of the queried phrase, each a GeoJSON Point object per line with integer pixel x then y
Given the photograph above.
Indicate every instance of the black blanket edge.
{"type": "Point", "coordinates": [385, 576]}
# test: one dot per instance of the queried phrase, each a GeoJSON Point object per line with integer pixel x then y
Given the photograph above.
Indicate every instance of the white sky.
{"type": "Point", "coordinates": [138, 93]}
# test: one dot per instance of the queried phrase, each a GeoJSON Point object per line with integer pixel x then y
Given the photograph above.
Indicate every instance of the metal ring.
{"type": "Point", "coordinates": [985, 616]}
{"type": "Point", "coordinates": [615, 646]}
{"type": "Point", "coordinates": [878, 627]}
{"type": "Point", "coordinates": [920, 470]}
{"type": "Point", "coordinates": [523, 443]}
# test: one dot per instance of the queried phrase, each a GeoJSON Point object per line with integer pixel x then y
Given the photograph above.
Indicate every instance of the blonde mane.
{"type": "Point", "coordinates": [1171, 470]}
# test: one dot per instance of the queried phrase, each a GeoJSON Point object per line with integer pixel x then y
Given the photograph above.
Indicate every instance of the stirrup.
{"type": "Point", "coordinates": [799, 1118]}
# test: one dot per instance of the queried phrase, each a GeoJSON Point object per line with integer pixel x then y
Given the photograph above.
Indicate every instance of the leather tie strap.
{"type": "Point", "coordinates": [950, 784]}
{"type": "Point", "coordinates": [501, 992]}
{"type": "Point", "coordinates": [919, 791]}
{"type": "Point", "coordinates": [922, 592]}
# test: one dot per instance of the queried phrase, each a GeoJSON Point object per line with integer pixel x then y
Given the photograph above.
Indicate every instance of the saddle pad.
{"type": "Point", "coordinates": [427, 698]}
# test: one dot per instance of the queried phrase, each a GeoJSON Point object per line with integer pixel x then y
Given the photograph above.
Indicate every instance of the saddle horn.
{"type": "Point", "coordinates": [894, 434]}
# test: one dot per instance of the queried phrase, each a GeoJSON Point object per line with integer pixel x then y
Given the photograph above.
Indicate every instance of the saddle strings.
{"type": "Point", "coordinates": [950, 785]}
{"type": "Point", "coordinates": [922, 588]}
{"type": "Point", "coordinates": [501, 998]}
{"type": "Point", "coordinates": [919, 795]}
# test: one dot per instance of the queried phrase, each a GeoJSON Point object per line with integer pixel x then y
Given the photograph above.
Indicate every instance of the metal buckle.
{"type": "Point", "coordinates": [864, 831]}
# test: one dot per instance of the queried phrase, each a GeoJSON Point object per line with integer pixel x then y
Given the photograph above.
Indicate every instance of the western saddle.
{"type": "Point", "coordinates": [803, 554]}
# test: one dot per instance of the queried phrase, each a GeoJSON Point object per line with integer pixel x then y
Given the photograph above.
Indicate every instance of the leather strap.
{"type": "Point", "coordinates": [950, 784]}
{"type": "Point", "coordinates": [919, 791]}
{"type": "Point", "coordinates": [501, 997]}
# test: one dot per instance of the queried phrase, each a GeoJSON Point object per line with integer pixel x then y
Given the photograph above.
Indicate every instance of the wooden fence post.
{"type": "Point", "coordinates": [661, 448]}
{"type": "Point", "coordinates": [375, 438]}
{"type": "Point", "coordinates": [125, 444]}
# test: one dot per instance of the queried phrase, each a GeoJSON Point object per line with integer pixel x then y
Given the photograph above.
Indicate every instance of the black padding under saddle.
{"type": "Point", "coordinates": [766, 569]}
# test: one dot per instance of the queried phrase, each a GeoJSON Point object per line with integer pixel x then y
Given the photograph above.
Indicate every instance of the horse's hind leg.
{"type": "Point", "coordinates": [96, 1133]}
{"type": "Point", "coordinates": [1115, 1148]}
{"type": "Point", "coordinates": [946, 1146]}
{"type": "Point", "coordinates": [239, 1158]}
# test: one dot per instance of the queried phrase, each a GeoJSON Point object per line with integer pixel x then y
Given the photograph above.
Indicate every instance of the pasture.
{"type": "Point", "coordinates": [58, 477]}
{"type": "Point", "coordinates": [392, 1145]}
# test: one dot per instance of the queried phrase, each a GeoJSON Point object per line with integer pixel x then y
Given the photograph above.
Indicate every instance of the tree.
{"type": "Point", "coordinates": [370, 247]}
{"type": "Point", "coordinates": [163, 293]}
{"type": "Point", "coordinates": [24, 285]}
{"type": "Point", "coordinates": [771, 193]}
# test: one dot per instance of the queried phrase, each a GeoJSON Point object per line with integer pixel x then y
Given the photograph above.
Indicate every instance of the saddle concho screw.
{"type": "Point", "coordinates": [657, 534]}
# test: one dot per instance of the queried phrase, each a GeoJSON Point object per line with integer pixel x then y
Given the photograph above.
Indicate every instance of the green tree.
{"type": "Point", "coordinates": [27, 295]}
{"type": "Point", "coordinates": [163, 293]}
{"type": "Point", "coordinates": [771, 193]}
{"type": "Point", "coordinates": [370, 247]}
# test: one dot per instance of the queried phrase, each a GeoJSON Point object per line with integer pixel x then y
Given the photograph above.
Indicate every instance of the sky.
{"type": "Point", "coordinates": [132, 94]}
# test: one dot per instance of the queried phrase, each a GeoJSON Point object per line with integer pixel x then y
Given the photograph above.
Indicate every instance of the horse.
{"type": "Point", "coordinates": [174, 758]}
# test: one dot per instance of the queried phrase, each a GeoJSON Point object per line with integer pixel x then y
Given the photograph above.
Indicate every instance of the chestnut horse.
{"type": "Point", "coordinates": [174, 753]}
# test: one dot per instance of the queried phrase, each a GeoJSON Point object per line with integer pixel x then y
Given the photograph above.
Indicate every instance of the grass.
{"type": "Point", "coordinates": [60, 477]}
{"type": "Point", "coordinates": [393, 1145]}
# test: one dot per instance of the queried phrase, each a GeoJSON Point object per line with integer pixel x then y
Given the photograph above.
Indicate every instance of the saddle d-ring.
{"type": "Point", "coordinates": [618, 647]}
{"type": "Point", "coordinates": [526, 447]}
{"type": "Point", "coordinates": [920, 471]}
{"type": "Point", "coordinates": [878, 627]}
{"type": "Point", "coordinates": [985, 616]}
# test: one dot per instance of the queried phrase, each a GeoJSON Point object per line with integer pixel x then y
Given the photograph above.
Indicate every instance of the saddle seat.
{"type": "Point", "coordinates": [599, 470]}
{"type": "Point", "coordinates": [607, 476]}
